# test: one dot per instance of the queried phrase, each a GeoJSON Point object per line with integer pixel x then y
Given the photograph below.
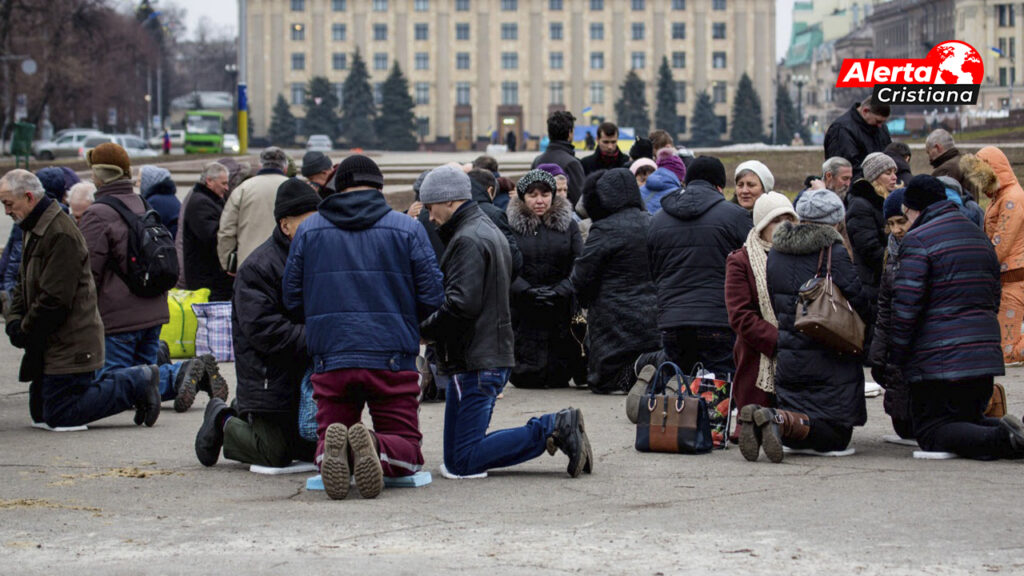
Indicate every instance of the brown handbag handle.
{"type": "Point", "coordinates": [821, 256]}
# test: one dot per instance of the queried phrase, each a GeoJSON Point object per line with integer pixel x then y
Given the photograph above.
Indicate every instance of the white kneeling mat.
{"type": "Point", "coordinates": [48, 428]}
{"type": "Point", "coordinates": [922, 455]}
{"type": "Point", "coordinates": [293, 468]}
{"type": "Point", "coordinates": [871, 390]}
{"type": "Point", "coordinates": [895, 439]}
{"type": "Point", "coordinates": [450, 476]}
{"type": "Point", "coordinates": [809, 452]}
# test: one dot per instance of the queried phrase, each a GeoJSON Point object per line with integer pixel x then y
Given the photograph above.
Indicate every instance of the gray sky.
{"type": "Point", "coordinates": [224, 14]}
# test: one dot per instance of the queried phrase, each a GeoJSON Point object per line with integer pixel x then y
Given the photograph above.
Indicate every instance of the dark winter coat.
{"type": "Point", "coordinates": [897, 389]}
{"type": "Point", "coordinates": [903, 173]}
{"type": "Point", "coordinates": [810, 378]}
{"type": "Point", "coordinates": [10, 261]}
{"type": "Point", "coordinates": [852, 138]}
{"type": "Point", "coordinates": [363, 276]}
{"type": "Point", "coordinates": [946, 300]}
{"type": "Point", "coordinates": [948, 164]}
{"type": "Point", "coordinates": [612, 280]}
{"type": "Point", "coordinates": [472, 330]}
{"type": "Point", "coordinates": [500, 219]}
{"type": "Point", "coordinates": [162, 196]}
{"type": "Point", "coordinates": [754, 335]}
{"type": "Point", "coordinates": [687, 245]}
{"type": "Point", "coordinates": [199, 244]}
{"type": "Point", "coordinates": [597, 161]}
{"type": "Point", "coordinates": [660, 183]}
{"type": "Point", "coordinates": [865, 224]}
{"type": "Point", "coordinates": [563, 154]}
{"type": "Point", "coordinates": [270, 348]}
{"type": "Point", "coordinates": [545, 349]}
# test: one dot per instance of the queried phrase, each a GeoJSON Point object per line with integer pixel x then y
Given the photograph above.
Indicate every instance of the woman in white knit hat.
{"type": "Point", "coordinates": [752, 180]}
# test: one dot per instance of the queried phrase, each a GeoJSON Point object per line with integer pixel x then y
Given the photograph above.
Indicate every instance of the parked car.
{"type": "Point", "coordinates": [319, 143]}
{"type": "Point", "coordinates": [132, 144]}
{"type": "Point", "coordinates": [65, 143]}
{"type": "Point", "coordinates": [231, 145]}
{"type": "Point", "coordinates": [177, 140]}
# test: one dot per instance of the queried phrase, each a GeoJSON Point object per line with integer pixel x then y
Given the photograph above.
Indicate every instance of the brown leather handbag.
{"type": "Point", "coordinates": [824, 314]}
{"type": "Point", "coordinates": [670, 420]}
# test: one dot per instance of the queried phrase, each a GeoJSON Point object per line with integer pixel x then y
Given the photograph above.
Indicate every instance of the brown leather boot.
{"type": "Point", "coordinates": [778, 425]}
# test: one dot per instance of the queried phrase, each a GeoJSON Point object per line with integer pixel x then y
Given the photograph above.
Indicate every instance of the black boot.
{"type": "Point", "coordinates": [163, 354]}
{"type": "Point", "coordinates": [213, 384]}
{"type": "Point", "coordinates": [147, 405]}
{"type": "Point", "coordinates": [187, 382]}
{"type": "Point", "coordinates": [210, 437]}
{"type": "Point", "coordinates": [570, 437]}
{"type": "Point", "coordinates": [1015, 429]}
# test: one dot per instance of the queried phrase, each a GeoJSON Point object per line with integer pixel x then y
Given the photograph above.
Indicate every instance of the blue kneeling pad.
{"type": "Point", "coordinates": [421, 478]}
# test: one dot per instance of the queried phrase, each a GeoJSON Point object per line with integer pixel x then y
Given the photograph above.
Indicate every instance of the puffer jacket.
{"type": "Point", "coordinates": [162, 196]}
{"type": "Point", "coordinates": [248, 217]}
{"type": "Point", "coordinates": [270, 347]}
{"type": "Point", "coordinates": [1004, 219]}
{"type": "Point", "coordinates": [809, 377]}
{"type": "Point", "coordinates": [852, 138]}
{"type": "Point", "coordinates": [546, 352]}
{"type": "Point", "coordinates": [363, 276]}
{"type": "Point", "coordinates": [878, 354]}
{"type": "Point", "coordinates": [687, 245]}
{"type": "Point", "coordinates": [106, 235]}
{"type": "Point", "coordinates": [946, 300]}
{"type": "Point", "coordinates": [613, 281]}
{"type": "Point", "coordinates": [10, 261]}
{"type": "Point", "coordinates": [865, 223]}
{"type": "Point", "coordinates": [472, 330]}
{"type": "Point", "coordinates": [659, 184]}
{"type": "Point", "coordinates": [563, 154]}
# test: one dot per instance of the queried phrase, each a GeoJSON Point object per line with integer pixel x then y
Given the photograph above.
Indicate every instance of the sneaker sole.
{"type": "Point", "coordinates": [770, 443]}
{"type": "Point", "coordinates": [749, 446]}
{"type": "Point", "coordinates": [366, 463]}
{"type": "Point", "coordinates": [334, 467]}
{"type": "Point", "coordinates": [218, 385]}
{"type": "Point", "coordinates": [187, 393]}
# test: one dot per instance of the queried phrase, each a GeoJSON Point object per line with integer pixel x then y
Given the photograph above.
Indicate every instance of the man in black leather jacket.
{"type": "Point", "coordinates": [475, 345]}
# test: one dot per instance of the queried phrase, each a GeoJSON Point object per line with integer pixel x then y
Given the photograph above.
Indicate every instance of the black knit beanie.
{"type": "Point", "coordinates": [358, 170]}
{"type": "Point", "coordinates": [923, 191]}
{"type": "Point", "coordinates": [708, 169]}
{"type": "Point", "coordinates": [294, 198]}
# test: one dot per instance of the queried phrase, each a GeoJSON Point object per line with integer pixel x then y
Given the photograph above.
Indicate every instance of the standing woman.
{"type": "Point", "coordinates": [752, 180]}
{"type": "Point", "coordinates": [750, 309]}
{"type": "Point", "coordinates": [542, 297]}
{"type": "Point", "coordinates": [865, 222]}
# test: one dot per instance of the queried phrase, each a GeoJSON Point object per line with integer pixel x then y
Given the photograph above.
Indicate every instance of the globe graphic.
{"type": "Point", "coordinates": [957, 63]}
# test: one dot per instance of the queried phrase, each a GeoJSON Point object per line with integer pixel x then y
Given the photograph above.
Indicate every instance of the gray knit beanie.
{"type": "Point", "coordinates": [446, 184]}
{"type": "Point", "coordinates": [876, 164]}
{"type": "Point", "coordinates": [820, 207]}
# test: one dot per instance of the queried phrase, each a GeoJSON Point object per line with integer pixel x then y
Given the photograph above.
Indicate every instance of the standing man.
{"type": "Point", "coordinates": [248, 217]}
{"type": "Point", "coordinates": [560, 151]}
{"type": "Point", "coordinates": [199, 225]}
{"type": "Point", "coordinates": [944, 156]}
{"type": "Point", "coordinates": [608, 155]}
{"type": "Point", "coordinates": [472, 331]}
{"type": "Point", "coordinates": [53, 317]}
{"type": "Point", "coordinates": [317, 170]}
{"type": "Point", "coordinates": [859, 132]}
{"type": "Point", "coordinates": [364, 277]}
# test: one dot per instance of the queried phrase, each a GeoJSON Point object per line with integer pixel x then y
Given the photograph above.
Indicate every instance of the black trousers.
{"type": "Point", "coordinates": [949, 416]}
{"type": "Point", "coordinates": [824, 437]}
{"type": "Point", "coordinates": [712, 347]}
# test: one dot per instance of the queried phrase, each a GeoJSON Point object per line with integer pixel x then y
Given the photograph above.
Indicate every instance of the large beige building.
{"type": "Point", "coordinates": [476, 67]}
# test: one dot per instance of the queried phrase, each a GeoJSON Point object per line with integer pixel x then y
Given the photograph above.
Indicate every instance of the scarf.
{"type": "Point", "coordinates": [757, 251]}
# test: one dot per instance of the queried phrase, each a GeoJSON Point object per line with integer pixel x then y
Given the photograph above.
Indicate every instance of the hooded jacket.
{"type": "Point", "coordinates": [162, 196]}
{"type": "Point", "coordinates": [852, 138]}
{"type": "Point", "coordinates": [660, 183]}
{"type": "Point", "coordinates": [363, 276]}
{"type": "Point", "coordinates": [1004, 219]}
{"type": "Point", "coordinates": [199, 244]}
{"type": "Point", "coordinates": [865, 224]}
{"type": "Point", "coordinates": [563, 154]}
{"type": "Point", "coordinates": [687, 246]}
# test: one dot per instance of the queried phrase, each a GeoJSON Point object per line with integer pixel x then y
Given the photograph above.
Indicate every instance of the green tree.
{"type": "Point", "coordinates": [396, 125]}
{"type": "Point", "coordinates": [704, 124]}
{"type": "Point", "coordinates": [665, 116]}
{"type": "Point", "coordinates": [631, 109]}
{"type": "Point", "coordinates": [358, 112]}
{"type": "Point", "coordinates": [746, 113]}
{"type": "Point", "coordinates": [282, 124]}
{"type": "Point", "coordinates": [321, 109]}
{"type": "Point", "coordinates": [786, 123]}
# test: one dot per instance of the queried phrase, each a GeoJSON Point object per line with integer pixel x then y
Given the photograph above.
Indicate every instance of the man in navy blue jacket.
{"type": "Point", "coordinates": [364, 277]}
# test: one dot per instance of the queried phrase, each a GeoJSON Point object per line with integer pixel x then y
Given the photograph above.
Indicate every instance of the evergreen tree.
{"type": "Point", "coordinates": [282, 124]}
{"type": "Point", "coordinates": [396, 125]}
{"type": "Point", "coordinates": [631, 109]}
{"type": "Point", "coordinates": [786, 123]}
{"type": "Point", "coordinates": [665, 117]}
{"type": "Point", "coordinates": [321, 109]}
{"type": "Point", "coordinates": [358, 111]}
{"type": "Point", "coordinates": [704, 127]}
{"type": "Point", "coordinates": [746, 113]}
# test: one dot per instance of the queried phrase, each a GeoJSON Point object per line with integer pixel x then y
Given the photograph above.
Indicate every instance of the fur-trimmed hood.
{"type": "Point", "coordinates": [805, 238]}
{"type": "Point", "coordinates": [524, 222]}
{"type": "Point", "coordinates": [995, 158]}
{"type": "Point", "coordinates": [979, 177]}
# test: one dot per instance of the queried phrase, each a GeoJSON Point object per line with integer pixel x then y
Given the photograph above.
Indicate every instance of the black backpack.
{"type": "Point", "coordinates": [152, 263]}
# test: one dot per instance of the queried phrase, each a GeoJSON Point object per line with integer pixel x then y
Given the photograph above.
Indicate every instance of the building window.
{"type": "Point", "coordinates": [339, 61]}
{"type": "Point", "coordinates": [422, 93]}
{"type": "Point", "coordinates": [462, 93]}
{"type": "Point", "coordinates": [462, 5]}
{"type": "Point", "coordinates": [422, 126]}
{"type": "Point", "coordinates": [462, 61]}
{"type": "Point", "coordinates": [718, 60]}
{"type": "Point", "coordinates": [723, 124]}
{"type": "Point", "coordinates": [718, 5]}
{"type": "Point", "coordinates": [679, 30]}
{"type": "Point", "coordinates": [555, 5]}
{"type": "Point", "coordinates": [298, 5]}
{"type": "Point", "coordinates": [718, 30]}
{"type": "Point", "coordinates": [421, 31]}
{"type": "Point", "coordinates": [555, 30]}
{"type": "Point", "coordinates": [638, 30]}
{"type": "Point", "coordinates": [718, 93]}
{"type": "Point", "coordinates": [557, 93]}
{"type": "Point", "coordinates": [597, 5]}
{"type": "Point", "coordinates": [338, 32]}
{"type": "Point", "coordinates": [638, 60]}
{"type": "Point", "coordinates": [298, 32]}
{"type": "Point", "coordinates": [510, 60]}
{"type": "Point", "coordinates": [596, 31]}
{"type": "Point", "coordinates": [1013, 48]}
{"type": "Point", "coordinates": [422, 61]}
{"type": "Point", "coordinates": [681, 93]}
{"type": "Point", "coordinates": [679, 59]}
{"type": "Point", "coordinates": [556, 60]}
{"type": "Point", "coordinates": [298, 61]}
{"type": "Point", "coordinates": [597, 60]}
{"type": "Point", "coordinates": [339, 5]}
{"type": "Point", "coordinates": [596, 93]}
{"type": "Point", "coordinates": [509, 5]}
{"type": "Point", "coordinates": [509, 31]}
{"type": "Point", "coordinates": [509, 93]}
{"type": "Point", "coordinates": [380, 5]}
{"type": "Point", "coordinates": [380, 32]}
{"type": "Point", "coordinates": [421, 5]}
{"type": "Point", "coordinates": [339, 92]}
{"type": "Point", "coordinates": [298, 94]}
{"type": "Point", "coordinates": [638, 5]}
{"type": "Point", "coordinates": [380, 61]}
{"type": "Point", "coordinates": [679, 4]}
{"type": "Point", "coordinates": [462, 31]}
{"type": "Point", "coordinates": [681, 126]}
{"type": "Point", "coordinates": [378, 93]}
{"type": "Point", "coordinates": [1004, 13]}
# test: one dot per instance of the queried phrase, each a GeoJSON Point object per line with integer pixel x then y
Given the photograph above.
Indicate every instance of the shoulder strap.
{"type": "Point", "coordinates": [821, 257]}
{"type": "Point", "coordinates": [118, 207]}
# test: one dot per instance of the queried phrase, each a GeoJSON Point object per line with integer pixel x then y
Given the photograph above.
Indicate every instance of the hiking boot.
{"type": "Point", "coordinates": [163, 353]}
{"type": "Point", "coordinates": [779, 425]}
{"type": "Point", "coordinates": [190, 374]}
{"type": "Point", "coordinates": [571, 438]}
{"type": "Point", "coordinates": [334, 467]}
{"type": "Point", "coordinates": [215, 385]}
{"type": "Point", "coordinates": [636, 393]}
{"type": "Point", "coordinates": [210, 437]}
{"type": "Point", "coordinates": [365, 461]}
{"type": "Point", "coordinates": [147, 405]}
{"type": "Point", "coordinates": [750, 433]}
{"type": "Point", "coordinates": [1015, 429]}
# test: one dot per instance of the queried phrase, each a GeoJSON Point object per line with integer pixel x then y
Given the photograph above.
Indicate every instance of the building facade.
{"type": "Point", "coordinates": [481, 68]}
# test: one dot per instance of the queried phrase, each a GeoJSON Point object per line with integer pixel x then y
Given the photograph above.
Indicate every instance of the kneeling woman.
{"type": "Point", "coordinates": [542, 302]}
{"type": "Point", "coordinates": [819, 393]}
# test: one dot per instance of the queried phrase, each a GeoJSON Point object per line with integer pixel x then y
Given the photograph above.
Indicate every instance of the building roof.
{"type": "Point", "coordinates": [801, 48]}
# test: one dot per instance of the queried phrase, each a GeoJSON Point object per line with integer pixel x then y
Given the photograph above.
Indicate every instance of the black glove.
{"type": "Point", "coordinates": [878, 374]}
{"type": "Point", "coordinates": [18, 338]}
{"type": "Point", "coordinates": [542, 296]}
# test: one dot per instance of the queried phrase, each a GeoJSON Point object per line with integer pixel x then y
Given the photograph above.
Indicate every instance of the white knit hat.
{"type": "Point", "coordinates": [641, 162]}
{"type": "Point", "coordinates": [762, 171]}
{"type": "Point", "coordinates": [770, 206]}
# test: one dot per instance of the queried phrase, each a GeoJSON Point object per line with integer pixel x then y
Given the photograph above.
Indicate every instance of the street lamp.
{"type": "Point", "coordinates": [800, 80]}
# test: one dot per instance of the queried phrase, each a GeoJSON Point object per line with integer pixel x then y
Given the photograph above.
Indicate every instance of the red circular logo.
{"type": "Point", "coordinates": [957, 62]}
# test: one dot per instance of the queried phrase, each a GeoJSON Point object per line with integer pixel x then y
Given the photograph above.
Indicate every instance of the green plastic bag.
{"type": "Point", "coordinates": [180, 331]}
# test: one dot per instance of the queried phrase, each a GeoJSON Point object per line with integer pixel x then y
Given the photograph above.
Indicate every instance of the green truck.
{"type": "Point", "coordinates": [204, 132]}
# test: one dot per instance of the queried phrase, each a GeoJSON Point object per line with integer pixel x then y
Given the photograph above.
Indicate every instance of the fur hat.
{"type": "Point", "coordinates": [294, 198]}
{"type": "Point", "coordinates": [358, 170]}
{"type": "Point", "coordinates": [893, 205]}
{"type": "Point", "coordinates": [109, 162]}
{"type": "Point", "coordinates": [820, 207]}
{"type": "Point", "coordinates": [979, 177]}
{"type": "Point", "coordinates": [446, 184]}
{"type": "Point", "coordinates": [923, 191]}
{"type": "Point", "coordinates": [770, 206]}
{"type": "Point", "coordinates": [642, 148]}
{"type": "Point", "coordinates": [534, 177]}
{"type": "Point", "coordinates": [708, 169]}
{"type": "Point", "coordinates": [760, 170]}
{"type": "Point", "coordinates": [876, 164]}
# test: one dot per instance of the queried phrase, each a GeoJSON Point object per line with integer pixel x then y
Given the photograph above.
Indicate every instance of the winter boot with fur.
{"type": "Point", "coordinates": [778, 425]}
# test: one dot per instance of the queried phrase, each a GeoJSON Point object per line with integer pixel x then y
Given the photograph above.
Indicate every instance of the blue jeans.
{"type": "Point", "coordinates": [469, 404]}
{"type": "Point", "coordinates": [77, 399]}
{"type": "Point", "coordinates": [140, 348]}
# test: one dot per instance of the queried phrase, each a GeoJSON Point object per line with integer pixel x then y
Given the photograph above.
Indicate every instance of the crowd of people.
{"type": "Point", "coordinates": [585, 272]}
